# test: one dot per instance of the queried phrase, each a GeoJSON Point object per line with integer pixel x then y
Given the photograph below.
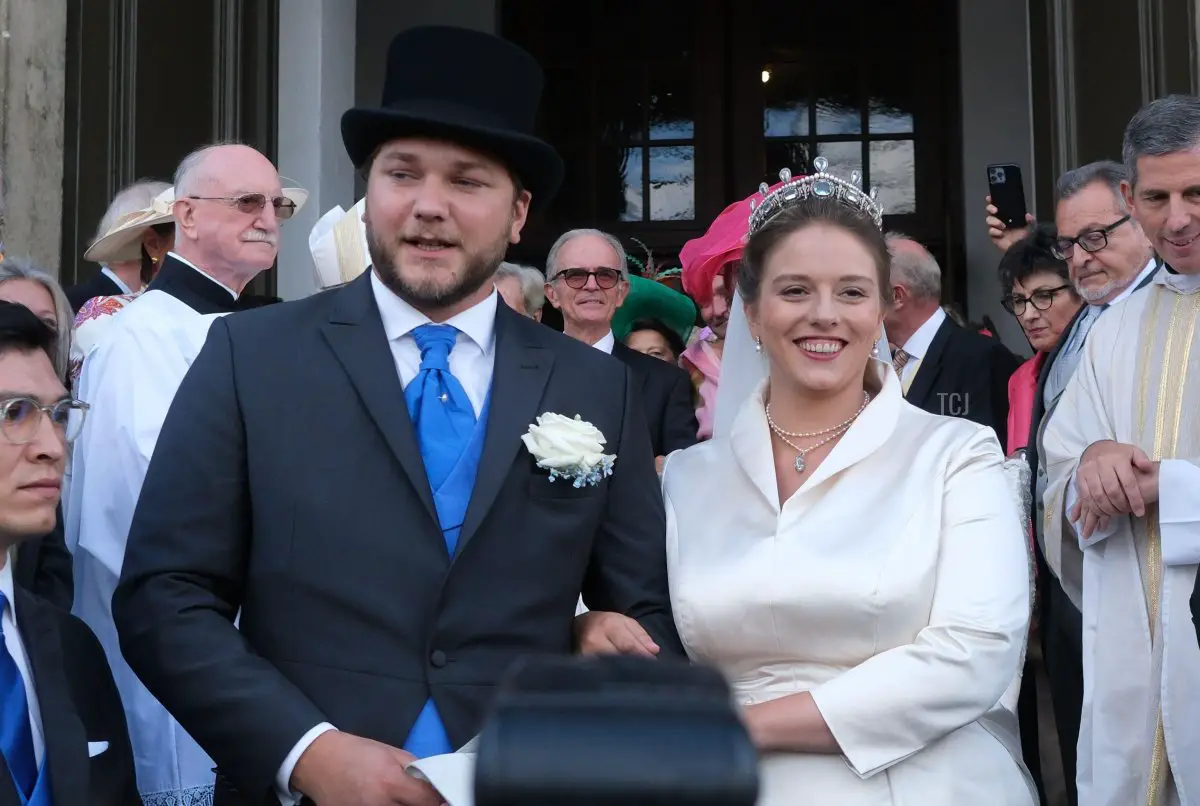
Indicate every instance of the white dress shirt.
{"type": "Point", "coordinates": [606, 343]}
{"type": "Point", "coordinates": [15, 647]}
{"type": "Point", "coordinates": [474, 353]}
{"type": "Point", "coordinates": [472, 362]}
{"type": "Point", "coordinates": [918, 345]}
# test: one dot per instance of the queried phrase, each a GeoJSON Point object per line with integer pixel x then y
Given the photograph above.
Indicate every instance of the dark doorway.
{"type": "Point", "coordinates": [149, 81]}
{"type": "Point", "coordinates": [668, 111]}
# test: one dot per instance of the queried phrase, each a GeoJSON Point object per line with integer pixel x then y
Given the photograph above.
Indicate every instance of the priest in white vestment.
{"type": "Point", "coordinates": [227, 210]}
{"type": "Point", "coordinates": [1123, 460]}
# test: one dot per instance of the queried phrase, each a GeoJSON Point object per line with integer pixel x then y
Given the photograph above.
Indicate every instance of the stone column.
{"type": "Point", "coordinates": [33, 65]}
{"type": "Point", "coordinates": [316, 85]}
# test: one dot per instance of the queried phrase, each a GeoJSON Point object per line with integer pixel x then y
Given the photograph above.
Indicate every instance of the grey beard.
{"type": "Point", "coordinates": [1096, 294]}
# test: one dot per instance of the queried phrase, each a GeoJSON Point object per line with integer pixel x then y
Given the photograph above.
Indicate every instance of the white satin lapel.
{"type": "Point", "coordinates": [750, 439]}
{"type": "Point", "coordinates": [750, 442]}
{"type": "Point", "coordinates": [869, 432]}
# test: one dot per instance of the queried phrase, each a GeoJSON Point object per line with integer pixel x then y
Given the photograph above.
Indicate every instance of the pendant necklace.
{"type": "Point", "coordinates": [833, 433]}
{"type": "Point", "coordinates": [802, 452]}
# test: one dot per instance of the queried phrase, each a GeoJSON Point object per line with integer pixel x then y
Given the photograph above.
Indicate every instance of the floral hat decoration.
{"type": "Point", "coordinates": [651, 298]}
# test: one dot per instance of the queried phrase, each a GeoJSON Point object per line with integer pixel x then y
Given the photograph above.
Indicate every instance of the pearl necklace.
{"type": "Point", "coordinates": [833, 433]}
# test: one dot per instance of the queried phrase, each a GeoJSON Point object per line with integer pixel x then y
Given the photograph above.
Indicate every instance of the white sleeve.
{"type": "Point", "coordinates": [283, 779]}
{"type": "Point", "coordinates": [1179, 511]}
{"type": "Point", "coordinates": [956, 669]}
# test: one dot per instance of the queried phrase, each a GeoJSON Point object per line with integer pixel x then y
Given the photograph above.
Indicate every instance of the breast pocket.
{"type": "Point", "coordinates": [540, 486]}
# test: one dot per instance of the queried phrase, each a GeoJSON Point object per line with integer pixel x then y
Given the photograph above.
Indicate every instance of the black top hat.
{"type": "Point", "coordinates": [467, 87]}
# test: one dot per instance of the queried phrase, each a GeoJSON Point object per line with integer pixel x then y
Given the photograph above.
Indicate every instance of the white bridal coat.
{"type": "Point", "coordinates": [893, 586]}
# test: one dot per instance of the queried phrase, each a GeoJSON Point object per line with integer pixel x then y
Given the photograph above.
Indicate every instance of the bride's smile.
{"type": "Point", "coordinates": [816, 307]}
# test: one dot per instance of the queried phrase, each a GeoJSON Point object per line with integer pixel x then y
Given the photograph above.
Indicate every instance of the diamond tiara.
{"type": "Point", "coordinates": [817, 185]}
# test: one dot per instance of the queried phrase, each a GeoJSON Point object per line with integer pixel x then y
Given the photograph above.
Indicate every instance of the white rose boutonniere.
{"type": "Point", "coordinates": [569, 448]}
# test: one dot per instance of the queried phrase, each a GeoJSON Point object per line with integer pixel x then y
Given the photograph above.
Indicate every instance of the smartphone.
{"type": "Point", "coordinates": [1008, 194]}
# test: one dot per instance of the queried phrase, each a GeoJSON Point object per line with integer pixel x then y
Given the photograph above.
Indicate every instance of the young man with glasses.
{"type": "Point", "coordinates": [229, 202]}
{"type": "Point", "coordinates": [62, 729]}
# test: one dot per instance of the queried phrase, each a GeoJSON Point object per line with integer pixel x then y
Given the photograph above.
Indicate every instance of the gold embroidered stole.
{"type": "Point", "coordinates": [1164, 363]}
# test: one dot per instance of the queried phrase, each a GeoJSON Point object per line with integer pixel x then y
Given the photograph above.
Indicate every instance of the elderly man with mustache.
{"type": "Point", "coordinates": [229, 203]}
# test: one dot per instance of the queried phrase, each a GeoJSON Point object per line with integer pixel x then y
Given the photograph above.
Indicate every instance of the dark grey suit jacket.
{"type": "Point", "coordinates": [287, 484]}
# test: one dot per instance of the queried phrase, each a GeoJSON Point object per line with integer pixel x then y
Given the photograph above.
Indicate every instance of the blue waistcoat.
{"type": "Point", "coordinates": [451, 496]}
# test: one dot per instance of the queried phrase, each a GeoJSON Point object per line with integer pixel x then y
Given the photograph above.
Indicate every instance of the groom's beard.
{"type": "Point", "coordinates": [425, 292]}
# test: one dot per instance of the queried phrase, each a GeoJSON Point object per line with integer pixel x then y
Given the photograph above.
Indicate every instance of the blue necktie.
{"type": "Point", "coordinates": [16, 734]}
{"type": "Point", "coordinates": [444, 421]}
{"type": "Point", "coordinates": [439, 407]}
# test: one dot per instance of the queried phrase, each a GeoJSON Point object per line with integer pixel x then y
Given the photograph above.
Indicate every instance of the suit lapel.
{"type": "Point", "coordinates": [930, 366]}
{"type": "Point", "coordinates": [64, 734]}
{"type": "Point", "coordinates": [522, 367]}
{"type": "Point", "coordinates": [355, 333]}
{"type": "Point", "coordinates": [622, 352]}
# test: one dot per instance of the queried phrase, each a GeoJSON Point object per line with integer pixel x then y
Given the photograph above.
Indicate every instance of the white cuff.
{"type": "Point", "coordinates": [1179, 511]}
{"type": "Point", "coordinates": [1069, 501]}
{"type": "Point", "coordinates": [283, 780]}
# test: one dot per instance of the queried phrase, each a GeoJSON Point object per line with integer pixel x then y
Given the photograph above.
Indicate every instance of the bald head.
{"type": "Point", "coordinates": [915, 268]}
{"type": "Point", "coordinates": [916, 287]}
{"type": "Point", "coordinates": [220, 164]}
{"type": "Point", "coordinates": [218, 227]}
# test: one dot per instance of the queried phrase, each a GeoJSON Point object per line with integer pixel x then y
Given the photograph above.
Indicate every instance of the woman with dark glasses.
{"type": "Point", "coordinates": [1038, 292]}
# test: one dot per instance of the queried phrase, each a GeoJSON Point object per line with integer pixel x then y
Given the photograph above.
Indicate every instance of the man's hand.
{"type": "Point", "coordinates": [599, 633]}
{"type": "Point", "coordinates": [347, 770]}
{"type": "Point", "coordinates": [659, 461]}
{"type": "Point", "coordinates": [1001, 235]}
{"type": "Point", "coordinates": [1113, 479]}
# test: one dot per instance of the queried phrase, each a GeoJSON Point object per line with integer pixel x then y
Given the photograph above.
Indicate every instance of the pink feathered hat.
{"type": "Point", "coordinates": [703, 258]}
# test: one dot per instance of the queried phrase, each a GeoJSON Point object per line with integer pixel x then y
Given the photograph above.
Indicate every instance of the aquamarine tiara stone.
{"type": "Point", "coordinates": [818, 185]}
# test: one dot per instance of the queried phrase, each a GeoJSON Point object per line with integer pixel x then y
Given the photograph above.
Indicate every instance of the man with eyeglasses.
{"type": "Point", "coordinates": [229, 202]}
{"type": "Point", "coordinates": [587, 281]}
{"type": "Point", "coordinates": [1109, 258]}
{"type": "Point", "coordinates": [62, 730]}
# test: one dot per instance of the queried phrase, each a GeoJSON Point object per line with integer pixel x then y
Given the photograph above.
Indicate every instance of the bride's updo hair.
{"type": "Point", "coordinates": [792, 219]}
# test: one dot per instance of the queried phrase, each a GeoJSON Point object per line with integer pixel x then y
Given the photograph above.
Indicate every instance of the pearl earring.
{"type": "Point", "coordinates": [875, 350]}
{"type": "Point", "coordinates": [757, 345]}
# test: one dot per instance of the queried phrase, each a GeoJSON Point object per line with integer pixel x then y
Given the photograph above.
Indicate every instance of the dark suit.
{"type": "Point", "coordinates": [100, 285]}
{"type": "Point", "coordinates": [666, 394]}
{"type": "Point", "coordinates": [78, 702]}
{"type": "Point", "coordinates": [287, 482]}
{"type": "Point", "coordinates": [965, 374]}
{"type": "Point", "coordinates": [44, 565]}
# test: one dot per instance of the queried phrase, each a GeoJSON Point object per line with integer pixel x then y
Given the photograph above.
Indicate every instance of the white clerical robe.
{"type": "Point", "coordinates": [1138, 383]}
{"type": "Point", "coordinates": [129, 379]}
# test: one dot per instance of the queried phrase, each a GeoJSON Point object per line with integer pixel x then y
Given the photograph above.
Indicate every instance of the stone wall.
{"type": "Point", "coordinates": [33, 37]}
